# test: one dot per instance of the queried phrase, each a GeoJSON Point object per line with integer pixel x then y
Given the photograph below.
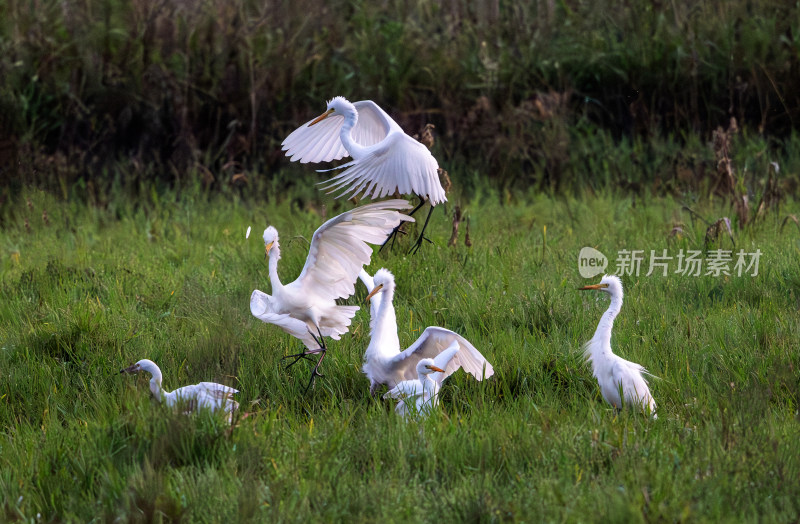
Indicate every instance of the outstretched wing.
{"type": "Point", "coordinates": [432, 343]}
{"type": "Point", "coordinates": [321, 142]}
{"type": "Point", "coordinates": [261, 308]}
{"type": "Point", "coordinates": [398, 163]}
{"type": "Point", "coordinates": [340, 248]}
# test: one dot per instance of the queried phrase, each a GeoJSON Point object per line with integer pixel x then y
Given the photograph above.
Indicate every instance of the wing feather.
{"type": "Point", "coordinates": [435, 340]}
{"type": "Point", "coordinates": [339, 248]}
{"type": "Point", "coordinates": [407, 389]}
{"type": "Point", "coordinates": [398, 163]}
{"type": "Point", "coordinates": [321, 142]}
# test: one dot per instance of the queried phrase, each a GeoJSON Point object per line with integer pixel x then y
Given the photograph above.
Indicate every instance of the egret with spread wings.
{"type": "Point", "coordinates": [384, 363]}
{"type": "Point", "coordinates": [307, 308]}
{"type": "Point", "coordinates": [208, 395]}
{"type": "Point", "coordinates": [385, 159]}
{"type": "Point", "coordinates": [621, 381]}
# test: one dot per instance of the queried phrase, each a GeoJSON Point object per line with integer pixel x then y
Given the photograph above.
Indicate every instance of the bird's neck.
{"type": "Point", "coordinates": [155, 384]}
{"type": "Point", "coordinates": [346, 132]}
{"type": "Point", "coordinates": [606, 324]}
{"type": "Point", "coordinates": [385, 328]}
{"type": "Point", "coordinates": [274, 256]}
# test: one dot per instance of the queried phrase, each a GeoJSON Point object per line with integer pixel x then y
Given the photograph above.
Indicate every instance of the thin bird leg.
{"type": "Point", "coordinates": [393, 235]}
{"type": "Point", "coordinates": [305, 354]}
{"type": "Point", "coordinates": [297, 357]}
{"type": "Point", "coordinates": [322, 349]}
{"type": "Point", "coordinates": [315, 373]}
{"type": "Point", "coordinates": [422, 237]}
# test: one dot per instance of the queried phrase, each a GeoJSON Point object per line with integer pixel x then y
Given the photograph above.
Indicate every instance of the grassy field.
{"type": "Point", "coordinates": [87, 291]}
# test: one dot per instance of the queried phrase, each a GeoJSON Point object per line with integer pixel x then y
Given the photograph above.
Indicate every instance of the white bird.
{"type": "Point", "coordinates": [384, 363]}
{"type": "Point", "coordinates": [614, 373]}
{"type": "Point", "coordinates": [208, 395]}
{"type": "Point", "coordinates": [339, 249]}
{"type": "Point", "coordinates": [419, 396]}
{"type": "Point", "coordinates": [385, 159]}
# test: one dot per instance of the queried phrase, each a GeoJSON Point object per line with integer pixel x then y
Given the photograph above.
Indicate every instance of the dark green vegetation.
{"type": "Point", "coordinates": [111, 93]}
{"type": "Point", "coordinates": [88, 291]}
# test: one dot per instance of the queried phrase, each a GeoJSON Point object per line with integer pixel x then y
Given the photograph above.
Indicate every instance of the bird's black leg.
{"type": "Point", "coordinates": [297, 357]}
{"type": "Point", "coordinates": [322, 349]}
{"type": "Point", "coordinates": [305, 353]}
{"type": "Point", "coordinates": [422, 237]}
{"type": "Point", "coordinates": [315, 372]}
{"type": "Point", "coordinates": [393, 235]}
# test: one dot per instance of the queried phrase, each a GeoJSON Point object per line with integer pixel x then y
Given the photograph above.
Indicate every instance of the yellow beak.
{"type": "Point", "coordinates": [593, 286]}
{"type": "Point", "coordinates": [321, 117]}
{"type": "Point", "coordinates": [373, 292]}
{"type": "Point", "coordinates": [267, 248]}
{"type": "Point", "coordinates": [435, 368]}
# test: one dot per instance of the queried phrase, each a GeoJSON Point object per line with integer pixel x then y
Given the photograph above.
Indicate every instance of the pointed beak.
{"type": "Point", "coordinates": [593, 286]}
{"type": "Point", "coordinates": [435, 368]}
{"type": "Point", "coordinates": [129, 369]}
{"type": "Point", "coordinates": [266, 249]}
{"type": "Point", "coordinates": [373, 292]}
{"type": "Point", "coordinates": [321, 117]}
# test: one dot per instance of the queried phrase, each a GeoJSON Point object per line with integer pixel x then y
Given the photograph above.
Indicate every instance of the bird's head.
{"type": "Point", "coordinates": [611, 284]}
{"type": "Point", "coordinates": [426, 366]}
{"type": "Point", "coordinates": [337, 105]}
{"type": "Point", "coordinates": [142, 365]}
{"type": "Point", "coordinates": [383, 281]}
{"type": "Point", "coordinates": [270, 239]}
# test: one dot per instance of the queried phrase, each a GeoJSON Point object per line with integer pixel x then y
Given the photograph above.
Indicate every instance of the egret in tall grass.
{"type": "Point", "coordinates": [385, 159]}
{"type": "Point", "coordinates": [621, 381]}
{"type": "Point", "coordinates": [307, 308]}
{"type": "Point", "coordinates": [192, 398]}
{"type": "Point", "coordinates": [421, 395]}
{"type": "Point", "coordinates": [384, 363]}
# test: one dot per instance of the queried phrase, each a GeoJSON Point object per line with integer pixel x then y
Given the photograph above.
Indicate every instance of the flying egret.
{"type": "Point", "coordinates": [421, 395]}
{"type": "Point", "coordinates": [188, 398]}
{"type": "Point", "coordinates": [615, 374]}
{"type": "Point", "coordinates": [384, 363]}
{"type": "Point", "coordinates": [385, 159]}
{"type": "Point", "coordinates": [307, 308]}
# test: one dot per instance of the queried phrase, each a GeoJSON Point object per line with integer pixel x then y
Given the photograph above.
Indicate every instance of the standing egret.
{"type": "Point", "coordinates": [385, 159]}
{"type": "Point", "coordinates": [188, 398]}
{"type": "Point", "coordinates": [339, 249]}
{"type": "Point", "coordinates": [421, 395]}
{"type": "Point", "coordinates": [618, 378]}
{"type": "Point", "coordinates": [384, 363]}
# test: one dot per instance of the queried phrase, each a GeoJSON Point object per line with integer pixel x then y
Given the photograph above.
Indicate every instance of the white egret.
{"type": "Point", "coordinates": [419, 396]}
{"type": "Point", "coordinates": [339, 249]}
{"type": "Point", "coordinates": [621, 381]}
{"type": "Point", "coordinates": [192, 398]}
{"type": "Point", "coordinates": [384, 363]}
{"type": "Point", "coordinates": [385, 159]}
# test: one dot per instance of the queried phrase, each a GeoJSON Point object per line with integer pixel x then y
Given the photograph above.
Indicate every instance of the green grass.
{"type": "Point", "coordinates": [92, 290]}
